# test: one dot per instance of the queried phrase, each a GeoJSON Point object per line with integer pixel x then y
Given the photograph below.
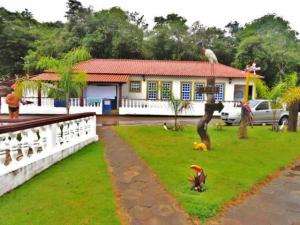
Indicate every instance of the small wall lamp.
{"type": "Point", "coordinates": [230, 80]}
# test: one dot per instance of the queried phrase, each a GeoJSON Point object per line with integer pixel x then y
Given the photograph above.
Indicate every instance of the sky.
{"type": "Point", "coordinates": [209, 12]}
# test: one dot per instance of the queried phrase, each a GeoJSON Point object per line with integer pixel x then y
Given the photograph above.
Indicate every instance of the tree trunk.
{"type": "Point", "coordinates": [293, 117]}
{"type": "Point", "coordinates": [202, 130]}
{"type": "Point", "coordinates": [274, 125]}
{"type": "Point", "coordinates": [68, 103]}
{"type": "Point", "coordinates": [243, 132]}
{"type": "Point", "coordinates": [175, 121]}
{"type": "Point", "coordinates": [203, 123]}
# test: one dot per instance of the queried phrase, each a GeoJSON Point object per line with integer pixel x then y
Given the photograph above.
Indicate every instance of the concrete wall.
{"type": "Point", "coordinates": [25, 153]}
{"type": "Point", "coordinates": [17, 177]}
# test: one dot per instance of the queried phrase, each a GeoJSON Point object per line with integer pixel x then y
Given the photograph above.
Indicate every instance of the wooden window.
{"type": "Point", "coordinates": [220, 95]}
{"type": "Point", "coordinates": [199, 96]}
{"type": "Point", "coordinates": [166, 90]}
{"type": "Point", "coordinates": [152, 90]}
{"type": "Point", "coordinates": [135, 86]}
{"type": "Point", "coordinates": [186, 91]}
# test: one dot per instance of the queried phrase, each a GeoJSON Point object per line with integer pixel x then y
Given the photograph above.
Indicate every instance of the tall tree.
{"type": "Point", "coordinates": [233, 28]}
{"type": "Point", "coordinates": [16, 38]}
{"type": "Point", "coordinates": [170, 39]}
{"type": "Point", "coordinates": [273, 44]}
{"type": "Point", "coordinates": [215, 38]}
{"type": "Point", "coordinates": [76, 15]}
{"type": "Point", "coordinates": [113, 34]}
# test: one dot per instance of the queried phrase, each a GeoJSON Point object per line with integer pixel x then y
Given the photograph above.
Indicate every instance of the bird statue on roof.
{"type": "Point", "coordinates": [209, 54]}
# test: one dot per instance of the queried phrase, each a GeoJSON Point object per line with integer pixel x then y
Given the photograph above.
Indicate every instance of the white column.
{"type": "Point", "coordinates": [176, 89]}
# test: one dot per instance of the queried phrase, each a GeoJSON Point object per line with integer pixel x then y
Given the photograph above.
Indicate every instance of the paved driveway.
{"type": "Point", "coordinates": [276, 204]}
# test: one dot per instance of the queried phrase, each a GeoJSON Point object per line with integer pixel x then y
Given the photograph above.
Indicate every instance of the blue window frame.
{"type": "Point", "coordinates": [186, 91]}
{"type": "Point", "coordinates": [166, 90]}
{"type": "Point", "coordinates": [198, 96]}
{"type": "Point", "coordinates": [220, 95]}
{"type": "Point", "coordinates": [152, 90]}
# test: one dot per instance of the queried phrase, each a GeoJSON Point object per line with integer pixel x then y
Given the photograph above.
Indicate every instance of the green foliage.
{"type": "Point", "coordinates": [291, 96]}
{"type": "Point", "coordinates": [248, 162]}
{"type": "Point", "coordinates": [216, 39]}
{"type": "Point", "coordinates": [76, 190]}
{"type": "Point", "coordinates": [276, 92]}
{"type": "Point", "coordinates": [274, 46]}
{"type": "Point", "coordinates": [115, 33]}
{"type": "Point", "coordinates": [16, 35]}
{"type": "Point", "coordinates": [53, 42]}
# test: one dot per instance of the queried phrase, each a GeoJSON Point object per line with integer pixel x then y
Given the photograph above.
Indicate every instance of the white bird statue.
{"type": "Point", "coordinates": [165, 126]}
{"type": "Point", "coordinates": [209, 54]}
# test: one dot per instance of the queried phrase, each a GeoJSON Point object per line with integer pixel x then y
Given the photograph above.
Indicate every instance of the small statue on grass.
{"type": "Point", "coordinates": [199, 179]}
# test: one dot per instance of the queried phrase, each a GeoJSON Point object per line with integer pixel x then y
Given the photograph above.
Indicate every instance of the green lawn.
{"type": "Point", "coordinates": [233, 167]}
{"type": "Point", "coordinates": [75, 191]}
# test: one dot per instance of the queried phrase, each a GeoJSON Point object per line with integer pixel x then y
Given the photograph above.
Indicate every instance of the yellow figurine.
{"type": "Point", "coordinates": [200, 146]}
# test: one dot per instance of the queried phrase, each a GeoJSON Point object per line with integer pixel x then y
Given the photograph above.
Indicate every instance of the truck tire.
{"type": "Point", "coordinates": [284, 118]}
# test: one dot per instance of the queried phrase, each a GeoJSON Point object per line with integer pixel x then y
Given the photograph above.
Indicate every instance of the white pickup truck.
{"type": "Point", "coordinates": [262, 113]}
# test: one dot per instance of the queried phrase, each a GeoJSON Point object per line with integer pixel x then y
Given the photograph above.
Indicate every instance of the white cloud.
{"type": "Point", "coordinates": [209, 12]}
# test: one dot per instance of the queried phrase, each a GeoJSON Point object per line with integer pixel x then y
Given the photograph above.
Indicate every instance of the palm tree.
{"type": "Point", "coordinates": [292, 98]}
{"type": "Point", "coordinates": [178, 106]}
{"type": "Point", "coordinates": [275, 93]}
{"type": "Point", "coordinates": [70, 81]}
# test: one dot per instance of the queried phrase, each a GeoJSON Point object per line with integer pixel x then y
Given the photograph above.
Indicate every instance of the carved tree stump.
{"type": "Point", "coordinates": [243, 132]}
{"type": "Point", "coordinates": [202, 127]}
{"type": "Point", "coordinates": [293, 117]}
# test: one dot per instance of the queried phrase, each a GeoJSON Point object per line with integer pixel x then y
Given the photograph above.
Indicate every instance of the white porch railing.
{"type": "Point", "coordinates": [164, 108]}
{"type": "Point", "coordinates": [27, 148]}
{"type": "Point", "coordinates": [48, 106]}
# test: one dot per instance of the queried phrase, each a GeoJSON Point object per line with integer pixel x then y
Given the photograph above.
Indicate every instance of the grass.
{"type": "Point", "coordinates": [75, 191]}
{"type": "Point", "coordinates": [233, 167]}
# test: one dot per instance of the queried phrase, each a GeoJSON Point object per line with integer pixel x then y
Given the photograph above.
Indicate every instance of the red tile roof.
{"type": "Point", "coordinates": [157, 67]}
{"type": "Point", "coordinates": [118, 70]}
{"type": "Point", "coordinates": [97, 78]}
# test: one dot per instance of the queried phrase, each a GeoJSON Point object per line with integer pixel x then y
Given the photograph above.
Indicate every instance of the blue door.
{"type": "Point", "coordinates": [59, 103]}
{"type": "Point", "coordinates": [107, 106]}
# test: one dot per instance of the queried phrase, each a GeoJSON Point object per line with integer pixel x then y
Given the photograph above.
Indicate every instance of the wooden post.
{"type": "Point", "coordinates": [120, 94]}
{"type": "Point", "coordinates": [39, 95]}
{"type": "Point", "coordinates": [81, 99]}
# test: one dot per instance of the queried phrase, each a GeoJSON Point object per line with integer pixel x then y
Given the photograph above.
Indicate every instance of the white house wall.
{"type": "Point", "coordinates": [176, 86]}
{"type": "Point", "coordinates": [94, 91]}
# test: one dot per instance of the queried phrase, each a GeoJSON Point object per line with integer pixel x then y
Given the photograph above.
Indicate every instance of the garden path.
{"type": "Point", "coordinates": [142, 199]}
